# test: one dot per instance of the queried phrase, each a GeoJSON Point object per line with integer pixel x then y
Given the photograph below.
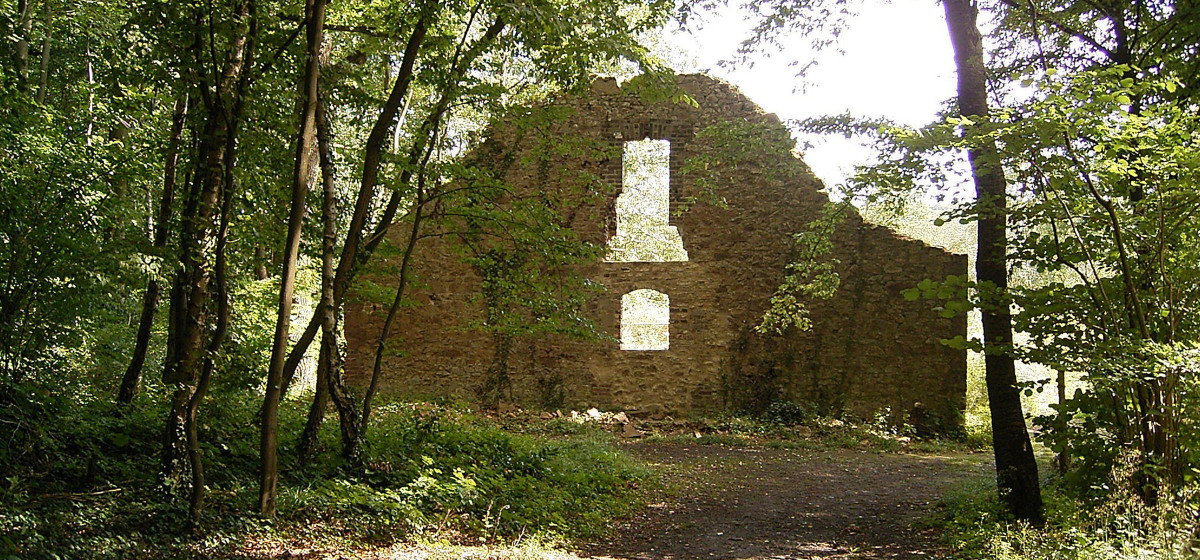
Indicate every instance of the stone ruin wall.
{"type": "Point", "coordinates": [869, 349]}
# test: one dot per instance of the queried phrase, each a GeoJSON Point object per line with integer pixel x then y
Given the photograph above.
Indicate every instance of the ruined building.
{"type": "Point", "coordinates": [683, 342]}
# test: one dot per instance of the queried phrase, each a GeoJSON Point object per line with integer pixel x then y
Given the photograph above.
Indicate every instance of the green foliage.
{"type": "Point", "coordinates": [454, 466]}
{"type": "Point", "coordinates": [1119, 528]}
{"type": "Point", "coordinates": [1102, 214]}
{"type": "Point", "coordinates": [811, 274]}
{"type": "Point", "coordinates": [789, 424]}
{"type": "Point", "coordinates": [1090, 427]}
{"type": "Point", "coordinates": [84, 488]}
{"type": "Point", "coordinates": [63, 246]}
{"type": "Point", "coordinates": [729, 148]}
{"type": "Point", "coordinates": [787, 413]}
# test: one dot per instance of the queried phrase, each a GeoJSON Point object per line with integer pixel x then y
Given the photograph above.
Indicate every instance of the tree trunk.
{"type": "Point", "coordinates": [418, 208]}
{"type": "Point", "coordinates": [1063, 460]}
{"type": "Point", "coordinates": [423, 149]}
{"type": "Point", "coordinates": [314, 11]}
{"type": "Point", "coordinates": [133, 374]}
{"type": "Point", "coordinates": [316, 413]}
{"type": "Point", "coordinates": [190, 293]}
{"type": "Point", "coordinates": [44, 68]}
{"type": "Point", "coordinates": [366, 193]}
{"type": "Point", "coordinates": [260, 263]}
{"type": "Point", "coordinates": [1016, 468]}
{"type": "Point", "coordinates": [21, 52]}
{"type": "Point", "coordinates": [221, 292]}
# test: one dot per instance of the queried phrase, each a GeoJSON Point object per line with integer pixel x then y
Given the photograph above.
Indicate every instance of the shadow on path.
{"type": "Point", "coordinates": [753, 503]}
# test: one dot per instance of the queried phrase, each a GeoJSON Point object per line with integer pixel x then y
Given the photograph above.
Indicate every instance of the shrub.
{"type": "Point", "coordinates": [1121, 528]}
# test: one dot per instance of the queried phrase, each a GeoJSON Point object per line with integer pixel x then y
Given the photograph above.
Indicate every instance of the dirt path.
{"type": "Point", "coordinates": [754, 503]}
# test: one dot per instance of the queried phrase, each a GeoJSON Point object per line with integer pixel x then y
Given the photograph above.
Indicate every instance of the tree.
{"type": "Point", "coordinates": [456, 56]}
{"type": "Point", "coordinates": [1144, 54]}
{"type": "Point", "coordinates": [1097, 156]}
{"type": "Point", "coordinates": [306, 138]}
{"type": "Point", "coordinates": [198, 324]}
{"type": "Point", "coordinates": [1016, 468]}
{"type": "Point", "coordinates": [162, 228]}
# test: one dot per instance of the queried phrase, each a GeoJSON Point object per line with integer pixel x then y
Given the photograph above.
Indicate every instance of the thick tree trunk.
{"type": "Point", "coordinates": [1016, 468]}
{"type": "Point", "coordinates": [314, 11]}
{"type": "Point", "coordinates": [133, 374]}
{"type": "Point", "coordinates": [190, 293]}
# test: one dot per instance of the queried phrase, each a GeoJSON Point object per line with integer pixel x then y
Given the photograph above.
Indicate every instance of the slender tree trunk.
{"type": "Point", "coordinates": [91, 95]}
{"type": "Point", "coordinates": [314, 11]}
{"type": "Point", "coordinates": [44, 68]}
{"type": "Point", "coordinates": [191, 292]}
{"type": "Point", "coordinates": [316, 413]}
{"type": "Point", "coordinates": [133, 374]}
{"type": "Point", "coordinates": [366, 194]}
{"type": "Point", "coordinates": [21, 52]}
{"type": "Point", "coordinates": [260, 263]}
{"type": "Point", "coordinates": [358, 247]}
{"type": "Point", "coordinates": [1016, 468]}
{"type": "Point", "coordinates": [349, 419]}
{"type": "Point", "coordinates": [307, 444]}
{"type": "Point", "coordinates": [418, 209]}
{"type": "Point", "coordinates": [221, 292]}
{"type": "Point", "coordinates": [1062, 459]}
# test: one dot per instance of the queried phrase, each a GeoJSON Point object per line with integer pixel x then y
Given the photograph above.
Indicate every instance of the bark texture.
{"type": "Point", "coordinates": [193, 334]}
{"type": "Point", "coordinates": [1016, 468]}
{"type": "Point", "coordinates": [314, 11]}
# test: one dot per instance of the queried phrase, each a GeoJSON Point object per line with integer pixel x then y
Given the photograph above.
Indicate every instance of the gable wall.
{"type": "Point", "coordinates": [868, 349]}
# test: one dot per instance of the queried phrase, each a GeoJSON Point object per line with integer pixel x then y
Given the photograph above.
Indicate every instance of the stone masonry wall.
{"type": "Point", "coordinates": [868, 350]}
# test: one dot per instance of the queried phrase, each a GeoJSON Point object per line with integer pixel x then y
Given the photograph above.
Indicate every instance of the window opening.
{"type": "Point", "coordinates": [645, 320]}
{"type": "Point", "coordinates": [644, 233]}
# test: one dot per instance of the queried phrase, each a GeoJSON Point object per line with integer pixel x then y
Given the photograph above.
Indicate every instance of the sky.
{"type": "Point", "coordinates": [896, 63]}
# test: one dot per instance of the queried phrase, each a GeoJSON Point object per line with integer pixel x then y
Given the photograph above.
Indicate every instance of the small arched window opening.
{"type": "Point", "coordinates": [645, 320]}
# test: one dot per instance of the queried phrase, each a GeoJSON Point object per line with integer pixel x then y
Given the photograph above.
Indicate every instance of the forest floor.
{"type": "Point", "coordinates": [760, 503]}
{"type": "Point", "coordinates": [755, 502]}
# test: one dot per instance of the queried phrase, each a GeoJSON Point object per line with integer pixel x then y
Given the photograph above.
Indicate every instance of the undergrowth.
{"type": "Point", "coordinates": [1121, 527]}
{"type": "Point", "coordinates": [432, 472]}
{"type": "Point", "coordinates": [790, 426]}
